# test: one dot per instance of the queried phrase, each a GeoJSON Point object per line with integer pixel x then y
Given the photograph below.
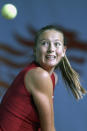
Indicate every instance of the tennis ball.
{"type": "Point", "coordinates": [9, 11]}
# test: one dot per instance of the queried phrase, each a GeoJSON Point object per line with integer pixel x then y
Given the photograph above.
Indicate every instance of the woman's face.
{"type": "Point", "coordinates": [50, 48]}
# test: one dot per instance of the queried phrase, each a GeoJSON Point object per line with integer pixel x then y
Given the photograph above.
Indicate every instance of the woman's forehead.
{"type": "Point", "coordinates": [51, 34]}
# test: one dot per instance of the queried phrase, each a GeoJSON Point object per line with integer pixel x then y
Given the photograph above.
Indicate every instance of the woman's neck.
{"type": "Point", "coordinates": [48, 69]}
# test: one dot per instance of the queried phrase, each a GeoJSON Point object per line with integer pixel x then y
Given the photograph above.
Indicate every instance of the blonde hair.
{"type": "Point", "coordinates": [71, 78]}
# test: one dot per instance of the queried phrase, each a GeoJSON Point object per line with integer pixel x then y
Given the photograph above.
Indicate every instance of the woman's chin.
{"type": "Point", "coordinates": [51, 64]}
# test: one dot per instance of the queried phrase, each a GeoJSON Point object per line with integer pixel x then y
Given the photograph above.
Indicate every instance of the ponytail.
{"type": "Point", "coordinates": [71, 78]}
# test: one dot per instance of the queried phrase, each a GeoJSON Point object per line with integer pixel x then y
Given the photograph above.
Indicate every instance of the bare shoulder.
{"type": "Point", "coordinates": [37, 73]}
{"type": "Point", "coordinates": [37, 78]}
{"type": "Point", "coordinates": [56, 78]}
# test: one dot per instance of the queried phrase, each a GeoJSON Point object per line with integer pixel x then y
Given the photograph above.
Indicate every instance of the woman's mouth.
{"type": "Point", "coordinates": [50, 57]}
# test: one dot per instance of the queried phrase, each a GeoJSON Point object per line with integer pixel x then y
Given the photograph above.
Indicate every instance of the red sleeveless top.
{"type": "Point", "coordinates": [17, 109]}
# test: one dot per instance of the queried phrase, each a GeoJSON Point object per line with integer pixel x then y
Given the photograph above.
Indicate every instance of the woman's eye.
{"type": "Point", "coordinates": [57, 44]}
{"type": "Point", "coordinates": [45, 43]}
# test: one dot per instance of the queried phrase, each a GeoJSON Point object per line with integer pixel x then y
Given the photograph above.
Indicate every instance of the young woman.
{"type": "Point", "coordinates": [28, 103]}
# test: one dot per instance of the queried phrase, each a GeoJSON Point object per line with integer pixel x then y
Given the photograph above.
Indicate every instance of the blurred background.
{"type": "Point", "coordinates": [17, 40]}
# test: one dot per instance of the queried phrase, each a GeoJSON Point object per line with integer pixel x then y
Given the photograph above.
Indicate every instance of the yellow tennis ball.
{"type": "Point", "coordinates": [9, 11]}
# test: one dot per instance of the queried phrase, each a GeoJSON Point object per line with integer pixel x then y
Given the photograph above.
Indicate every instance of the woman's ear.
{"type": "Point", "coordinates": [64, 51]}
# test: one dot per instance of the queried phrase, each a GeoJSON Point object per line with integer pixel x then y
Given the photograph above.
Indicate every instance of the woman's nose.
{"type": "Point", "coordinates": [51, 48]}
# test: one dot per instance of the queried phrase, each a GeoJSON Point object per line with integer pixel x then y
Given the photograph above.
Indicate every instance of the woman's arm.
{"type": "Point", "coordinates": [39, 84]}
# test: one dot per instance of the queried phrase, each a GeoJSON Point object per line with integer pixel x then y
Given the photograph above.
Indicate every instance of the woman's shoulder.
{"type": "Point", "coordinates": [37, 72]}
{"type": "Point", "coordinates": [38, 78]}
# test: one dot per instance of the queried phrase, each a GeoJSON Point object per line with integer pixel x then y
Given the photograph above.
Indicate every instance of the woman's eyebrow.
{"type": "Point", "coordinates": [57, 40]}
{"type": "Point", "coordinates": [44, 40]}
